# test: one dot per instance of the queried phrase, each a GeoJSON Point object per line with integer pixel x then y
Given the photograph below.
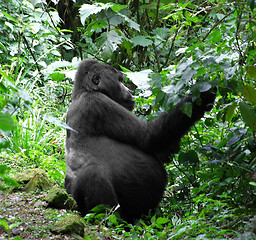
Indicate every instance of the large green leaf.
{"type": "Point", "coordinates": [6, 122]}
{"type": "Point", "coordinates": [251, 70]}
{"type": "Point", "coordinates": [87, 9]}
{"type": "Point", "coordinates": [250, 94]}
{"type": "Point", "coordinates": [130, 22]}
{"type": "Point", "coordinates": [141, 41]}
{"type": "Point", "coordinates": [108, 42]}
{"type": "Point", "coordinates": [230, 111]}
{"type": "Point", "coordinates": [57, 122]}
{"type": "Point", "coordinates": [248, 115]}
{"type": "Point", "coordinates": [216, 36]}
{"type": "Point", "coordinates": [188, 158]}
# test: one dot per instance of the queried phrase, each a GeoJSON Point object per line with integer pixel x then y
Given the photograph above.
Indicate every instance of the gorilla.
{"type": "Point", "coordinates": [112, 156]}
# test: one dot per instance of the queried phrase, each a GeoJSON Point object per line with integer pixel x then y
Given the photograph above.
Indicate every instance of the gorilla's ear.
{"type": "Point", "coordinates": [93, 82]}
{"type": "Point", "coordinates": [96, 79]}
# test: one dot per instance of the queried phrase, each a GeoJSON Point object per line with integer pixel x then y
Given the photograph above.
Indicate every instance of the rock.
{"type": "Point", "coordinates": [27, 175]}
{"type": "Point", "coordinates": [35, 179]}
{"type": "Point", "coordinates": [39, 181]}
{"type": "Point", "coordinates": [59, 198]}
{"type": "Point", "coordinates": [69, 225]}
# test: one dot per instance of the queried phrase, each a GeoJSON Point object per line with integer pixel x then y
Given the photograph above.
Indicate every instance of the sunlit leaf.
{"type": "Point", "coordinates": [9, 16]}
{"type": "Point", "coordinates": [162, 220]}
{"type": "Point", "coordinates": [171, 89]}
{"type": "Point", "coordinates": [108, 42]}
{"type": "Point", "coordinates": [204, 86]}
{"type": "Point", "coordinates": [112, 218]}
{"type": "Point", "coordinates": [6, 122]}
{"type": "Point", "coordinates": [117, 7]}
{"type": "Point", "coordinates": [253, 183]}
{"type": "Point", "coordinates": [87, 9]}
{"type": "Point", "coordinates": [3, 47]}
{"type": "Point", "coordinates": [216, 36]}
{"type": "Point", "coordinates": [140, 79]}
{"type": "Point", "coordinates": [56, 76]}
{"type": "Point", "coordinates": [4, 224]}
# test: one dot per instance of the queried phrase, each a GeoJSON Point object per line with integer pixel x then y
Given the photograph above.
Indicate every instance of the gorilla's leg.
{"type": "Point", "coordinates": [93, 187]}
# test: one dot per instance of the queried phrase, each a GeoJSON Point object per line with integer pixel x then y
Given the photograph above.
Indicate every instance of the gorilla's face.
{"type": "Point", "coordinates": [94, 76]}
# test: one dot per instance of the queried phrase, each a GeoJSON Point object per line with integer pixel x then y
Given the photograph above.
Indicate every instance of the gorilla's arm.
{"type": "Point", "coordinates": [168, 128]}
{"type": "Point", "coordinates": [104, 117]}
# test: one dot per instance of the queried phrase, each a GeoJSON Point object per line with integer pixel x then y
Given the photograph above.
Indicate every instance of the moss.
{"type": "Point", "coordinates": [58, 198]}
{"type": "Point", "coordinates": [27, 175]}
{"type": "Point", "coordinates": [69, 225]}
{"type": "Point", "coordinates": [39, 181]}
{"type": "Point", "coordinates": [35, 179]}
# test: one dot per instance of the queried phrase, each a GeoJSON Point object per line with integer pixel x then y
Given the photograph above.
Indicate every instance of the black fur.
{"type": "Point", "coordinates": [114, 156]}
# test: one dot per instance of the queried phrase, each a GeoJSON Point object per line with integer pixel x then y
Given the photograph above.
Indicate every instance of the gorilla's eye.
{"type": "Point", "coordinates": [96, 79]}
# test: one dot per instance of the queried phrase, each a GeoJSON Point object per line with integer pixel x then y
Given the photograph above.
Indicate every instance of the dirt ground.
{"type": "Point", "coordinates": [27, 217]}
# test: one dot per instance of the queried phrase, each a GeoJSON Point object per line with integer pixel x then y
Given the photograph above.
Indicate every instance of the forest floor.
{"type": "Point", "coordinates": [28, 218]}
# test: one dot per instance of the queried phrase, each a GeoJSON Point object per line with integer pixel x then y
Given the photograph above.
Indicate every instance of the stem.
{"type": "Point", "coordinates": [32, 54]}
{"type": "Point", "coordinates": [216, 24]}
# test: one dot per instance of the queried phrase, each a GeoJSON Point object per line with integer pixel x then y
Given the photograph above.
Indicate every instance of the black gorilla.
{"type": "Point", "coordinates": [114, 157]}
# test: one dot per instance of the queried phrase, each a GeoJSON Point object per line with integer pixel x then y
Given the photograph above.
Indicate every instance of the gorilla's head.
{"type": "Point", "coordinates": [94, 76]}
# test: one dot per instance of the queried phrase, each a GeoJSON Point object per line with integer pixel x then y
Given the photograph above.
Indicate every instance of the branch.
{"type": "Point", "coordinates": [216, 24]}
{"type": "Point", "coordinates": [32, 54]}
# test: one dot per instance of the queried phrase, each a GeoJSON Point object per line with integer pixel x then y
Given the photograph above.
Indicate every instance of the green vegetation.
{"type": "Point", "coordinates": [164, 47]}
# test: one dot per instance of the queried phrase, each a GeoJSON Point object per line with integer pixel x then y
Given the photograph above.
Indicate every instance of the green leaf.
{"type": "Point", "coordinates": [162, 220]}
{"type": "Point", "coordinates": [4, 169]}
{"type": "Point", "coordinates": [250, 94]}
{"type": "Point", "coordinates": [6, 122]}
{"type": "Point", "coordinates": [112, 218]}
{"type": "Point", "coordinates": [188, 158]}
{"type": "Point", "coordinates": [130, 22]}
{"type": "Point", "coordinates": [87, 9]}
{"type": "Point", "coordinates": [251, 70]}
{"type": "Point", "coordinates": [56, 76]}
{"type": "Point", "coordinates": [216, 36]}
{"type": "Point", "coordinates": [108, 42]}
{"type": "Point", "coordinates": [4, 224]}
{"type": "Point", "coordinates": [57, 122]}
{"type": "Point", "coordinates": [3, 87]}
{"type": "Point", "coordinates": [186, 108]}
{"type": "Point", "coordinates": [141, 41]}
{"type": "Point", "coordinates": [153, 219]}
{"type": "Point", "coordinates": [223, 142]}
{"type": "Point", "coordinates": [3, 47]}
{"type": "Point", "coordinates": [9, 16]}
{"type": "Point", "coordinates": [248, 115]}
{"type": "Point", "coordinates": [117, 7]}
{"type": "Point", "coordinates": [253, 183]}
{"type": "Point", "coordinates": [174, 89]}
{"type": "Point", "coordinates": [140, 79]}
{"type": "Point", "coordinates": [204, 86]}
{"type": "Point", "coordinates": [231, 111]}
